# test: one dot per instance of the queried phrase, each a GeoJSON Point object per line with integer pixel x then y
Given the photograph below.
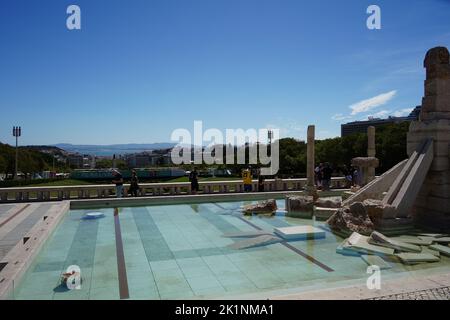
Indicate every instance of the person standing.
{"type": "Point", "coordinates": [118, 181]}
{"type": "Point", "coordinates": [247, 179]}
{"type": "Point", "coordinates": [193, 178]}
{"type": "Point", "coordinates": [260, 181]}
{"type": "Point", "coordinates": [326, 177]}
{"type": "Point", "coordinates": [348, 176]}
{"type": "Point", "coordinates": [134, 184]}
{"type": "Point", "coordinates": [318, 175]}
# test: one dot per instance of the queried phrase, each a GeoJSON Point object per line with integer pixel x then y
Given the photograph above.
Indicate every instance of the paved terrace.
{"type": "Point", "coordinates": [21, 222]}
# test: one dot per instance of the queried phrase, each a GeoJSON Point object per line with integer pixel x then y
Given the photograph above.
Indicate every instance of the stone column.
{"type": "Point", "coordinates": [432, 206]}
{"type": "Point", "coordinates": [310, 183]}
{"type": "Point", "coordinates": [370, 152]}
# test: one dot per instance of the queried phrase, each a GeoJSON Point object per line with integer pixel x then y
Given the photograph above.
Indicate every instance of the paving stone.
{"type": "Point", "coordinates": [430, 294]}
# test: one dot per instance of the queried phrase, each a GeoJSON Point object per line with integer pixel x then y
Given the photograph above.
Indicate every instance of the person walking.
{"type": "Point", "coordinates": [118, 181]}
{"type": "Point", "coordinates": [134, 184]}
{"type": "Point", "coordinates": [193, 178]}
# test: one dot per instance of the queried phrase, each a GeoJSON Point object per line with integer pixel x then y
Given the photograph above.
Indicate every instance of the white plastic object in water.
{"type": "Point", "coordinates": [94, 215]}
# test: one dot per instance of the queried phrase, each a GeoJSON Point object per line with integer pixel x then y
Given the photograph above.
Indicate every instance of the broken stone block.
{"type": "Point", "coordinates": [431, 235]}
{"type": "Point", "coordinates": [373, 260]}
{"type": "Point", "coordinates": [351, 219]}
{"type": "Point", "coordinates": [414, 240]}
{"type": "Point", "coordinates": [361, 243]}
{"type": "Point", "coordinates": [331, 202]}
{"type": "Point", "coordinates": [442, 240]}
{"type": "Point", "coordinates": [428, 250]}
{"type": "Point", "coordinates": [266, 206]}
{"type": "Point", "coordinates": [376, 209]}
{"type": "Point", "coordinates": [323, 213]}
{"type": "Point", "coordinates": [414, 258]}
{"type": "Point", "coordinates": [377, 238]}
{"type": "Point", "coordinates": [299, 203]}
{"type": "Point", "coordinates": [345, 249]}
{"type": "Point", "coordinates": [300, 233]}
{"type": "Point", "coordinates": [444, 250]}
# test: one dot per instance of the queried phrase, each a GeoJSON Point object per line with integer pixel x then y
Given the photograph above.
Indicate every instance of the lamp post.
{"type": "Point", "coordinates": [17, 132]}
{"type": "Point", "coordinates": [270, 136]}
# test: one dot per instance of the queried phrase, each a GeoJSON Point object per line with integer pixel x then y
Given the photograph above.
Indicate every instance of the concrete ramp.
{"type": "Point", "coordinates": [403, 192]}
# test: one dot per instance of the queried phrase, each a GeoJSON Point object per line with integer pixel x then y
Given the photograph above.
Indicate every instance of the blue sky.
{"type": "Point", "coordinates": [139, 69]}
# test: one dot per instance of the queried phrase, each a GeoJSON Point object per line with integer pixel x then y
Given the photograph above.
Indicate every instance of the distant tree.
{"type": "Point", "coordinates": [103, 164]}
{"type": "Point", "coordinates": [3, 164]}
{"type": "Point", "coordinates": [292, 157]}
{"type": "Point", "coordinates": [391, 145]}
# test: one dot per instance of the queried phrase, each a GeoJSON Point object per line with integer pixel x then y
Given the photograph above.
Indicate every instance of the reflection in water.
{"type": "Point", "coordinates": [195, 207]}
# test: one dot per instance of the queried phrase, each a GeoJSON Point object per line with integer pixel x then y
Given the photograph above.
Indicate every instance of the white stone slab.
{"type": "Point", "coordinates": [361, 243]}
{"type": "Point", "coordinates": [440, 248]}
{"type": "Point", "coordinates": [413, 258]}
{"type": "Point", "coordinates": [414, 240]}
{"type": "Point", "coordinates": [373, 260]}
{"type": "Point", "coordinates": [428, 250]}
{"type": "Point", "coordinates": [300, 232]}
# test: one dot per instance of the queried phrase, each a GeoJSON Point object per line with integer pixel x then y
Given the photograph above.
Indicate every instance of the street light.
{"type": "Point", "coordinates": [17, 132]}
{"type": "Point", "coordinates": [270, 136]}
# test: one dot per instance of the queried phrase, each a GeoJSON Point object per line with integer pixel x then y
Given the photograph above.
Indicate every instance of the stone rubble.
{"type": "Point", "coordinates": [266, 206]}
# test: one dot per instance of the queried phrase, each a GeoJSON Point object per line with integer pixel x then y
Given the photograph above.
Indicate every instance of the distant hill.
{"type": "Point", "coordinates": [109, 150]}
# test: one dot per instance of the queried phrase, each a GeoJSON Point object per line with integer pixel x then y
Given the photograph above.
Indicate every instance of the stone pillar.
{"type": "Point", "coordinates": [432, 206]}
{"type": "Point", "coordinates": [370, 152]}
{"type": "Point", "coordinates": [310, 174]}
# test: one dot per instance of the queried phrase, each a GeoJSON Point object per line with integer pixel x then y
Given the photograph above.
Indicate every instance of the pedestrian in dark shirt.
{"type": "Point", "coordinates": [134, 184]}
{"type": "Point", "coordinates": [260, 181]}
{"type": "Point", "coordinates": [193, 178]}
{"type": "Point", "coordinates": [326, 177]}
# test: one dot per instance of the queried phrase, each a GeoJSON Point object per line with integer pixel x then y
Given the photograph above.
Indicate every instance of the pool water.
{"type": "Point", "coordinates": [180, 252]}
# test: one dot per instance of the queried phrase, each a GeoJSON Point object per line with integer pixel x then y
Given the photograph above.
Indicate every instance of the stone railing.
{"type": "Point", "coordinates": [26, 194]}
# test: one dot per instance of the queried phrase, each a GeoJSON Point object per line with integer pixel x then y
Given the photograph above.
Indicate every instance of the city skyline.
{"type": "Point", "coordinates": [135, 73]}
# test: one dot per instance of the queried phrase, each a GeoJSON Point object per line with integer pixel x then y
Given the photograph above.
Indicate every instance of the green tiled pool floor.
{"type": "Point", "coordinates": [179, 252]}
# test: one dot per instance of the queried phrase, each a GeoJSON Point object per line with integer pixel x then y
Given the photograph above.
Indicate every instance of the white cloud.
{"type": "Point", "coordinates": [380, 114]}
{"type": "Point", "coordinates": [402, 112]}
{"type": "Point", "coordinates": [369, 104]}
{"type": "Point", "coordinates": [340, 117]}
